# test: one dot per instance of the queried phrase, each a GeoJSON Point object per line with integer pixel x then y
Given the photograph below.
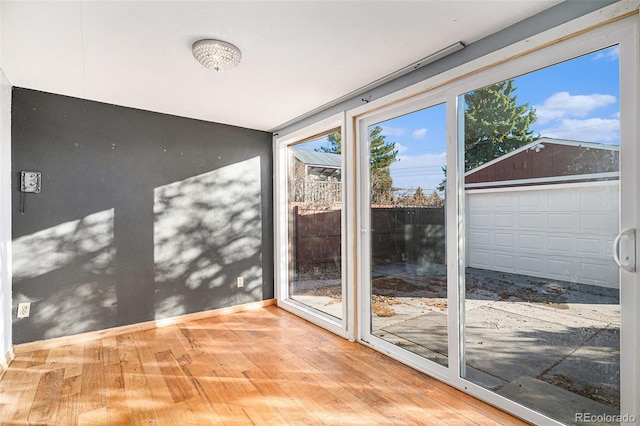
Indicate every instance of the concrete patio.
{"type": "Point", "coordinates": [548, 344]}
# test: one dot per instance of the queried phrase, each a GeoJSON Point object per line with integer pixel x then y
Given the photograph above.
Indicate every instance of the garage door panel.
{"type": "Point", "coordinates": [595, 201]}
{"type": "Point", "coordinates": [504, 262]}
{"type": "Point", "coordinates": [563, 201]}
{"type": "Point", "coordinates": [563, 269]}
{"type": "Point", "coordinates": [564, 232]}
{"type": "Point", "coordinates": [530, 265]}
{"type": "Point", "coordinates": [532, 199]}
{"type": "Point", "coordinates": [597, 224]}
{"type": "Point", "coordinates": [560, 244]}
{"type": "Point", "coordinates": [503, 201]}
{"type": "Point", "coordinates": [562, 222]}
{"type": "Point", "coordinates": [479, 239]}
{"type": "Point", "coordinates": [531, 241]}
{"type": "Point", "coordinates": [480, 259]}
{"type": "Point", "coordinates": [479, 219]}
{"type": "Point", "coordinates": [479, 203]}
{"type": "Point", "coordinates": [598, 273]}
{"type": "Point", "coordinates": [589, 245]}
{"type": "Point", "coordinates": [504, 220]}
{"type": "Point", "coordinates": [532, 221]}
{"type": "Point", "coordinates": [504, 239]}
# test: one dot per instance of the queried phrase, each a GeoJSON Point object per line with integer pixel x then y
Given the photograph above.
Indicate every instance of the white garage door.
{"type": "Point", "coordinates": [562, 232]}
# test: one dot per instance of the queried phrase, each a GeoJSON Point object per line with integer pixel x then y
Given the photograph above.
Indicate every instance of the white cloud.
{"type": "Point", "coordinates": [564, 105]}
{"type": "Point", "coordinates": [419, 133]}
{"type": "Point", "coordinates": [401, 148]}
{"type": "Point", "coordinates": [424, 170]}
{"type": "Point", "coordinates": [393, 131]}
{"type": "Point", "coordinates": [421, 160]}
{"type": "Point", "coordinates": [611, 54]}
{"type": "Point", "coordinates": [588, 130]}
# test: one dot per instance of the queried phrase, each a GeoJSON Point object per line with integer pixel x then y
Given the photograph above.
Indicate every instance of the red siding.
{"type": "Point", "coordinates": [554, 160]}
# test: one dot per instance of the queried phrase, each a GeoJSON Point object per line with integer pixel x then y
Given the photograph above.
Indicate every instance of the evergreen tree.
{"type": "Point", "coordinates": [335, 139]}
{"type": "Point", "coordinates": [494, 124]}
{"type": "Point", "coordinates": [419, 199]}
{"type": "Point", "coordinates": [382, 155]}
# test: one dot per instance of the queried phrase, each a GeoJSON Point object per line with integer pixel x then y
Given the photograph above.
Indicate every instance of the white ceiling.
{"type": "Point", "coordinates": [297, 55]}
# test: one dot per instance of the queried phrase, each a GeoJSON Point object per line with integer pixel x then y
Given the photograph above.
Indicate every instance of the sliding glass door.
{"type": "Point", "coordinates": [542, 209]}
{"type": "Point", "coordinates": [310, 199]}
{"type": "Point", "coordinates": [497, 231]}
{"type": "Point", "coordinates": [407, 301]}
{"type": "Point", "coordinates": [483, 229]}
{"type": "Point", "coordinates": [315, 223]}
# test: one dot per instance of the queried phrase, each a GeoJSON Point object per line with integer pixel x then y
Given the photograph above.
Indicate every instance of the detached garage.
{"type": "Point", "coordinates": [548, 209]}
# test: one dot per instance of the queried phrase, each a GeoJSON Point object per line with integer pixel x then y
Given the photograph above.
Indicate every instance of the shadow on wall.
{"type": "Point", "coordinates": [42, 264]}
{"type": "Point", "coordinates": [141, 216]}
{"type": "Point", "coordinates": [205, 227]}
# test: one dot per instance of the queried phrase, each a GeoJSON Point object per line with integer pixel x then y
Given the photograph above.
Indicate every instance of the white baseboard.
{"type": "Point", "coordinates": [132, 328]}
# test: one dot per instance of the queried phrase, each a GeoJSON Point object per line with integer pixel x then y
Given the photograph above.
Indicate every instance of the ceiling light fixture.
{"type": "Point", "coordinates": [216, 55]}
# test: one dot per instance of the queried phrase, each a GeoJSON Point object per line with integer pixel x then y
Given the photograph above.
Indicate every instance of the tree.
{"type": "Point", "coordinates": [419, 199]}
{"type": "Point", "coordinates": [434, 200]}
{"type": "Point", "coordinates": [382, 155]}
{"type": "Point", "coordinates": [494, 124]}
{"type": "Point", "coordinates": [335, 139]}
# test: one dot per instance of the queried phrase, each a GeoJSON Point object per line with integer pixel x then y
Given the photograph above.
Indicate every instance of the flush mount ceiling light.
{"type": "Point", "coordinates": [216, 55]}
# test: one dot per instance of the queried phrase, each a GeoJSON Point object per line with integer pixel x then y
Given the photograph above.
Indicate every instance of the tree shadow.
{"type": "Point", "coordinates": [141, 215]}
{"type": "Point", "coordinates": [208, 232]}
{"type": "Point", "coordinates": [67, 272]}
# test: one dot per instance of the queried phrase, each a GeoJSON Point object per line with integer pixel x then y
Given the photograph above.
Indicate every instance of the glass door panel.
{"type": "Point", "coordinates": [408, 300]}
{"type": "Point", "coordinates": [315, 224]}
{"type": "Point", "coordinates": [542, 196]}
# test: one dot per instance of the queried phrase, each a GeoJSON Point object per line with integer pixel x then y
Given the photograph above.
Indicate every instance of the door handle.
{"type": "Point", "coordinates": [624, 250]}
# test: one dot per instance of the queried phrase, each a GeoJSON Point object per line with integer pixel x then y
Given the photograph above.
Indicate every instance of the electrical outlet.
{"type": "Point", "coordinates": [240, 282]}
{"type": "Point", "coordinates": [23, 310]}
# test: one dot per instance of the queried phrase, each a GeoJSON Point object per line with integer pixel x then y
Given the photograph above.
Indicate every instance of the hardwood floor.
{"type": "Point", "coordinates": [264, 366]}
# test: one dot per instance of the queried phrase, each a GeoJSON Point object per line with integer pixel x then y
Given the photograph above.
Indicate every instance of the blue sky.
{"type": "Point", "coordinates": [577, 99]}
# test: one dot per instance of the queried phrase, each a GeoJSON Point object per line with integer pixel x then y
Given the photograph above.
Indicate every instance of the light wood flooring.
{"type": "Point", "coordinates": [263, 366]}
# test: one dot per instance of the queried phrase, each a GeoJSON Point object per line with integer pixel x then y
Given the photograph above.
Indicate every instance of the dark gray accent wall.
{"type": "Point", "coordinates": [142, 216]}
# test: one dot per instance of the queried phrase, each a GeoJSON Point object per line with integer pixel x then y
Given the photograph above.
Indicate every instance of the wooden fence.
{"type": "Point", "coordinates": [398, 234]}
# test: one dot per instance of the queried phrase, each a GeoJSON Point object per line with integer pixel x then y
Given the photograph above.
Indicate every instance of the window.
{"type": "Point", "coordinates": [310, 225]}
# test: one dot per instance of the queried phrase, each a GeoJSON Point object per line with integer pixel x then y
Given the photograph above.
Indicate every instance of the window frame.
{"type": "Point", "coordinates": [281, 145]}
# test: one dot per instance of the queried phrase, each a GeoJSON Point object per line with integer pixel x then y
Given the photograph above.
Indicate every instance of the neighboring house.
{"type": "Point", "coordinates": [323, 166]}
{"type": "Point", "coordinates": [530, 210]}
{"type": "Point", "coordinates": [547, 161]}
{"type": "Point", "coordinates": [316, 177]}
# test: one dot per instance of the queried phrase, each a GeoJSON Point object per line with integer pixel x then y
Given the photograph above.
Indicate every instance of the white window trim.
{"type": "Point", "coordinates": [281, 144]}
{"type": "Point", "coordinates": [422, 101]}
{"type": "Point", "coordinates": [567, 178]}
